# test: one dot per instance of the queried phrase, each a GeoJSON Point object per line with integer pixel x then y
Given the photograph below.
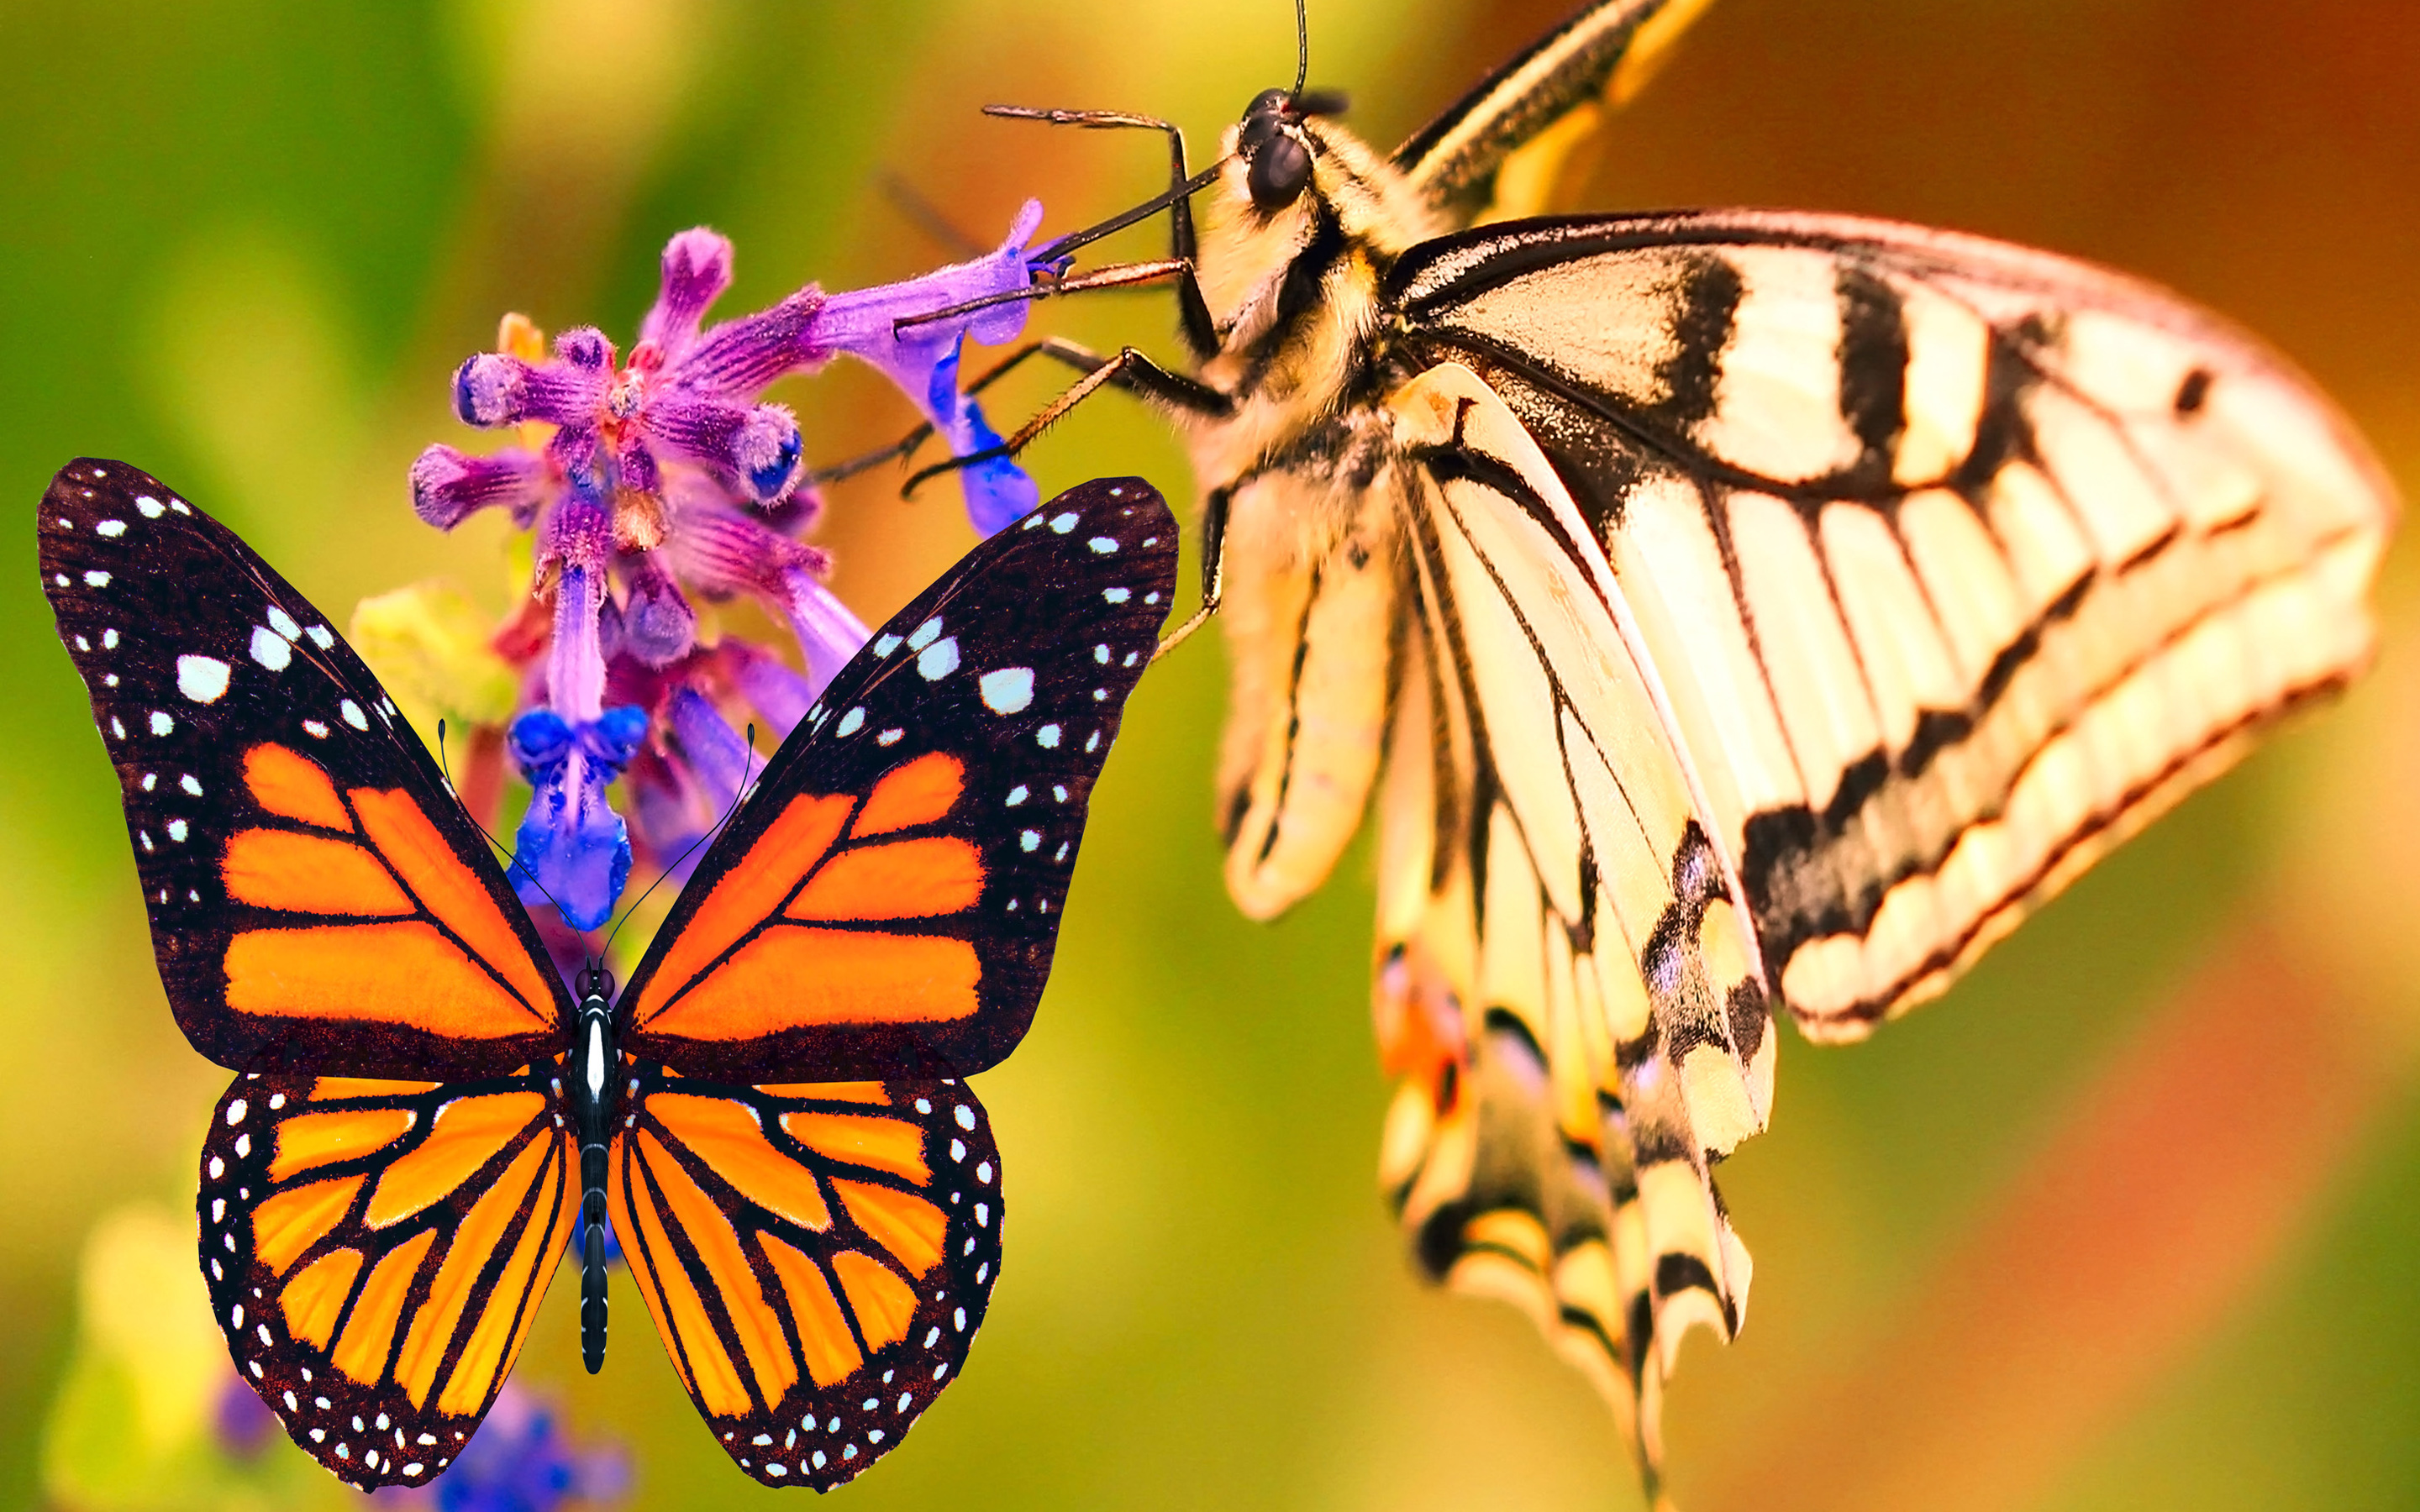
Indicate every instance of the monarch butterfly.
{"type": "Point", "coordinates": [773, 1110]}
{"type": "Point", "coordinates": [1723, 610]}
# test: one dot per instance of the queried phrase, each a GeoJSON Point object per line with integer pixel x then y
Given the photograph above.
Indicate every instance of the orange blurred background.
{"type": "Point", "coordinates": [2127, 1220]}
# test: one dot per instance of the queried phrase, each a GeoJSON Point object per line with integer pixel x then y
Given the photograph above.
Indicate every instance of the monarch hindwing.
{"type": "Point", "coordinates": [377, 1251]}
{"type": "Point", "coordinates": [817, 1255]}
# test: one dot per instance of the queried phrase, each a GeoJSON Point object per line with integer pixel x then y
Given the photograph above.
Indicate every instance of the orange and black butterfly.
{"type": "Point", "coordinates": [773, 1111]}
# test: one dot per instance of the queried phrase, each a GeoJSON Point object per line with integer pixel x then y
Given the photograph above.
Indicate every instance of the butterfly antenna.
{"type": "Point", "coordinates": [746, 769]}
{"type": "Point", "coordinates": [511, 861]}
{"type": "Point", "coordinates": [1301, 46]}
{"type": "Point", "coordinates": [920, 211]}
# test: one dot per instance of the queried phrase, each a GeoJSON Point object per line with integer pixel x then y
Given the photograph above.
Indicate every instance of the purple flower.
{"type": "Point", "coordinates": [521, 1461]}
{"type": "Point", "coordinates": [572, 850]}
{"type": "Point", "coordinates": [661, 479]}
{"type": "Point", "coordinates": [241, 1421]}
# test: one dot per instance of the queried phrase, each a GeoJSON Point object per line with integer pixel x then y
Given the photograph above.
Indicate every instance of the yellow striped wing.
{"type": "Point", "coordinates": [1960, 562]}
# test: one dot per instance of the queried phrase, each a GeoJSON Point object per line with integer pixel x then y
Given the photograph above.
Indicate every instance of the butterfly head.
{"type": "Point", "coordinates": [595, 985]}
{"type": "Point", "coordinates": [1277, 148]}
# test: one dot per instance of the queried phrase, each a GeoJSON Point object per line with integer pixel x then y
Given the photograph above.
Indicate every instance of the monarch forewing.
{"type": "Point", "coordinates": [816, 1255]}
{"type": "Point", "coordinates": [298, 850]}
{"type": "Point", "coordinates": [892, 900]}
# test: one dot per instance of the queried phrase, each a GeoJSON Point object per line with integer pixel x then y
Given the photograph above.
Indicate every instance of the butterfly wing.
{"type": "Point", "coordinates": [1960, 562]}
{"type": "Point", "coordinates": [375, 1252]}
{"type": "Point", "coordinates": [1496, 152]}
{"type": "Point", "coordinates": [317, 899]}
{"type": "Point", "coordinates": [887, 900]}
{"type": "Point", "coordinates": [817, 1255]}
{"type": "Point", "coordinates": [1564, 979]}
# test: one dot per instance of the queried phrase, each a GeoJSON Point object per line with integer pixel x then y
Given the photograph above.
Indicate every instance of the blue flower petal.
{"type": "Point", "coordinates": [572, 849]}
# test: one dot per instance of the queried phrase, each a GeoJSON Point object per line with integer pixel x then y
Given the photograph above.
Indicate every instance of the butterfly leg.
{"type": "Point", "coordinates": [1129, 370]}
{"type": "Point", "coordinates": [1213, 570]}
{"type": "Point", "coordinates": [1193, 310]}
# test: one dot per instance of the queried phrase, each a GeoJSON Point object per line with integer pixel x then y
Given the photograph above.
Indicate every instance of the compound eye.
{"type": "Point", "coordinates": [1279, 170]}
{"type": "Point", "coordinates": [1261, 119]}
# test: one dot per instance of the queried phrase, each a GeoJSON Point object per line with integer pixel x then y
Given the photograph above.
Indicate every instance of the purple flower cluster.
{"type": "Point", "coordinates": [660, 479]}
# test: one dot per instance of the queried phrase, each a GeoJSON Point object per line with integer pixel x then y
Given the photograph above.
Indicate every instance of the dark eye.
{"type": "Point", "coordinates": [1279, 170]}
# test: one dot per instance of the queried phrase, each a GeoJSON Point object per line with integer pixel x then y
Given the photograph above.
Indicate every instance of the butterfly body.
{"type": "Point", "coordinates": [1723, 612]}
{"type": "Point", "coordinates": [772, 1113]}
{"type": "Point", "coordinates": [591, 1090]}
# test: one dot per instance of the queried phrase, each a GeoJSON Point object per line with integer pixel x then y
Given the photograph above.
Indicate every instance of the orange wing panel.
{"type": "Point", "coordinates": [904, 879]}
{"type": "Point", "coordinates": [824, 1337]}
{"type": "Point", "coordinates": [449, 889]}
{"type": "Point", "coordinates": [790, 975]}
{"type": "Point", "coordinates": [903, 1223]}
{"type": "Point", "coordinates": [312, 1140]}
{"type": "Point", "coordinates": [894, 1145]}
{"type": "Point", "coordinates": [354, 971]}
{"type": "Point", "coordinates": [314, 1298]}
{"type": "Point", "coordinates": [718, 1243]}
{"type": "Point", "coordinates": [307, 874]}
{"type": "Point", "coordinates": [726, 1136]}
{"type": "Point", "coordinates": [468, 1132]}
{"type": "Point", "coordinates": [884, 1305]}
{"type": "Point", "coordinates": [920, 793]}
{"type": "Point", "coordinates": [368, 1337]}
{"type": "Point", "coordinates": [475, 1238]}
{"type": "Point", "coordinates": [747, 895]}
{"type": "Point", "coordinates": [292, 787]}
{"type": "Point", "coordinates": [295, 1219]}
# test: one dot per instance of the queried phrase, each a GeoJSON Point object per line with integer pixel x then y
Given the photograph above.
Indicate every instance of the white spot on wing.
{"type": "Point", "coordinates": [353, 714]}
{"type": "Point", "coordinates": [284, 623]}
{"type": "Point", "coordinates": [1009, 690]}
{"type": "Point", "coordinates": [191, 783]}
{"type": "Point", "coordinates": [111, 526]}
{"type": "Point", "coordinates": [851, 722]}
{"type": "Point", "coordinates": [95, 579]}
{"type": "Point", "coordinates": [1116, 595]}
{"type": "Point", "coordinates": [884, 645]}
{"type": "Point", "coordinates": [152, 508]}
{"type": "Point", "coordinates": [922, 634]}
{"type": "Point", "coordinates": [161, 722]}
{"type": "Point", "coordinates": [269, 649]}
{"type": "Point", "coordinates": [321, 636]}
{"type": "Point", "coordinates": [319, 730]}
{"type": "Point", "coordinates": [938, 660]}
{"type": "Point", "coordinates": [1030, 840]}
{"type": "Point", "coordinates": [1048, 737]}
{"type": "Point", "coordinates": [203, 679]}
{"type": "Point", "coordinates": [1064, 523]}
{"type": "Point", "coordinates": [1103, 545]}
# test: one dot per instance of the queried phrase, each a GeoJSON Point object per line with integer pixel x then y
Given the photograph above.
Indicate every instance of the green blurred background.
{"type": "Point", "coordinates": [2128, 1220]}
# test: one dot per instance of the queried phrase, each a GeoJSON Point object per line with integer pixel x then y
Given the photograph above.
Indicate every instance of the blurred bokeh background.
{"type": "Point", "coordinates": [2128, 1220]}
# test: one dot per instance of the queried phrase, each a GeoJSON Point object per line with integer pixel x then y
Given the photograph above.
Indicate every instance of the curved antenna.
{"type": "Point", "coordinates": [745, 768]}
{"type": "Point", "coordinates": [1301, 46]}
{"type": "Point", "coordinates": [511, 861]}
